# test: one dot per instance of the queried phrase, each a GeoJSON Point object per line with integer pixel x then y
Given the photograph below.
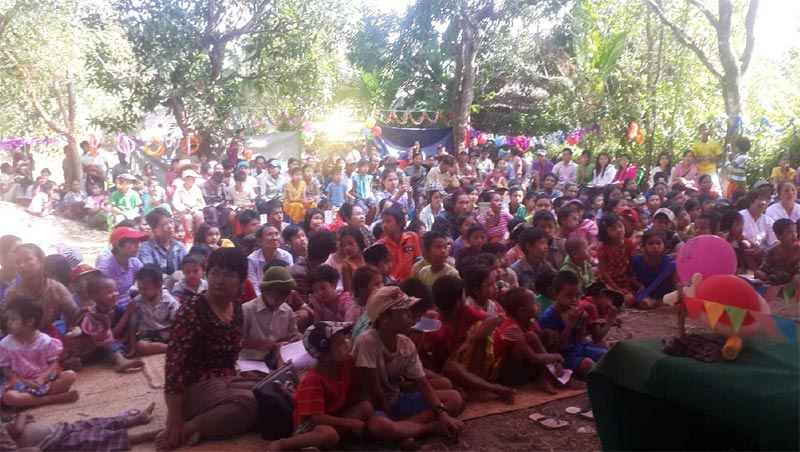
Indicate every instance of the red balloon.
{"type": "Point", "coordinates": [376, 131]}
{"type": "Point", "coordinates": [730, 290]}
{"type": "Point", "coordinates": [572, 139]}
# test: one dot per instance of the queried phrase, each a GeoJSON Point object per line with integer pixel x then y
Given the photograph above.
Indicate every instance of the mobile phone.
{"type": "Point", "coordinates": [263, 218]}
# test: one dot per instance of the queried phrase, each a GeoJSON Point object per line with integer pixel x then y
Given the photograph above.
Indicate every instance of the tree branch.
{"type": "Point", "coordinates": [749, 26]}
{"type": "Point", "coordinates": [684, 39]}
{"type": "Point", "coordinates": [37, 106]}
{"type": "Point", "coordinates": [246, 28]}
{"type": "Point", "coordinates": [706, 12]}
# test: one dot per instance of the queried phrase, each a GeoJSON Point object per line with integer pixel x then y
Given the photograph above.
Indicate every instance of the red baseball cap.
{"type": "Point", "coordinates": [126, 233]}
{"type": "Point", "coordinates": [82, 270]}
{"type": "Point", "coordinates": [629, 213]}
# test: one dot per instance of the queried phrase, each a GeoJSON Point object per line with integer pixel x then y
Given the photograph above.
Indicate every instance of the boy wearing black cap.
{"type": "Point", "coordinates": [324, 409]}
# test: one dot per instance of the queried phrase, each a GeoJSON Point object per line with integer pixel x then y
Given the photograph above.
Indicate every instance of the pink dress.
{"type": "Point", "coordinates": [622, 176]}
{"type": "Point", "coordinates": [29, 361]}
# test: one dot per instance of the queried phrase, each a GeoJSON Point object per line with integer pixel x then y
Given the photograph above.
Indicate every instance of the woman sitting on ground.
{"type": "Point", "coordinates": [205, 399]}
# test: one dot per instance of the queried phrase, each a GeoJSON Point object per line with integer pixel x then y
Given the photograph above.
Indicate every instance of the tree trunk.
{"type": "Point", "coordinates": [73, 169]}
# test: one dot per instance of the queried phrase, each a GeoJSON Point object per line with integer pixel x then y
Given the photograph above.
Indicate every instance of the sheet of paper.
{"type": "Point", "coordinates": [564, 375]}
{"type": "Point", "coordinates": [246, 365]}
{"type": "Point", "coordinates": [298, 355]}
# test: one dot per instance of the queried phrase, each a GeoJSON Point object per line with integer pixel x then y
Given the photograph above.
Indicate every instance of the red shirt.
{"type": "Point", "coordinates": [404, 253]}
{"type": "Point", "coordinates": [508, 333]}
{"type": "Point", "coordinates": [318, 393]}
{"type": "Point", "coordinates": [442, 343]}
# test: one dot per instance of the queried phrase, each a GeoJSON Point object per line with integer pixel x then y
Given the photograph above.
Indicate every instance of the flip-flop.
{"type": "Point", "coordinates": [549, 422]}
{"type": "Point", "coordinates": [130, 413]}
{"type": "Point", "coordinates": [585, 413]}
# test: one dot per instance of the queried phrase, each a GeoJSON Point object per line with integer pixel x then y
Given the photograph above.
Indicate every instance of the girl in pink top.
{"type": "Point", "coordinates": [624, 170]}
{"type": "Point", "coordinates": [29, 360]}
{"type": "Point", "coordinates": [685, 172]}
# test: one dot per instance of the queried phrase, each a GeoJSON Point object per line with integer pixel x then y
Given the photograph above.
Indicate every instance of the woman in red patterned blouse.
{"type": "Point", "coordinates": [205, 399]}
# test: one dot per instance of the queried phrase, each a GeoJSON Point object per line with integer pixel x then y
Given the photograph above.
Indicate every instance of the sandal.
{"type": "Point", "coordinates": [130, 413]}
{"type": "Point", "coordinates": [549, 422]}
{"type": "Point", "coordinates": [585, 413]}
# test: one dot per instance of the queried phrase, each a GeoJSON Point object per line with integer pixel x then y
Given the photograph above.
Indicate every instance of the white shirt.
{"type": "Point", "coordinates": [184, 200]}
{"type": "Point", "coordinates": [601, 180]}
{"type": "Point", "coordinates": [261, 323]}
{"type": "Point", "coordinates": [256, 262]}
{"type": "Point", "coordinates": [776, 211]}
{"type": "Point", "coordinates": [566, 173]}
{"type": "Point", "coordinates": [758, 232]}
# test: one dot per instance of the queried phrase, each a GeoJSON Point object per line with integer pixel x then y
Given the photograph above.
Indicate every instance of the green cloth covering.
{"type": "Point", "coordinates": [644, 399]}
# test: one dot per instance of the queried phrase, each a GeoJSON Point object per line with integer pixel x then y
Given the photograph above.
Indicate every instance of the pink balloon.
{"type": "Point", "coordinates": [376, 131]}
{"type": "Point", "coordinates": [708, 255]}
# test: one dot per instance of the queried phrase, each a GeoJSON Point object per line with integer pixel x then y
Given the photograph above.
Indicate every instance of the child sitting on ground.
{"type": "Point", "coordinates": [379, 257]}
{"type": "Point", "coordinates": [436, 247]}
{"type": "Point", "coordinates": [534, 243]}
{"type": "Point", "coordinates": [79, 278]}
{"type": "Point", "coordinates": [98, 335]}
{"type": "Point", "coordinates": [578, 260]}
{"type": "Point", "coordinates": [475, 238]}
{"type": "Point", "coordinates": [366, 280]}
{"type": "Point", "coordinates": [91, 434]}
{"type": "Point", "coordinates": [461, 349]}
{"type": "Point", "coordinates": [29, 360]}
{"type": "Point", "coordinates": [325, 409]}
{"type": "Point", "coordinates": [193, 283]}
{"type": "Point", "coordinates": [269, 321]}
{"type": "Point", "coordinates": [653, 270]}
{"type": "Point", "coordinates": [664, 220]}
{"type": "Point", "coordinates": [545, 292]}
{"type": "Point", "coordinates": [568, 321]}
{"type": "Point", "coordinates": [327, 303]}
{"type": "Point", "coordinates": [614, 257]}
{"type": "Point", "coordinates": [153, 313]}
{"type": "Point", "coordinates": [464, 221]}
{"type": "Point", "coordinates": [507, 278]}
{"type": "Point", "coordinates": [782, 260]}
{"type": "Point", "coordinates": [387, 359]}
{"type": "Point", "coordinates": [731, 228]}
{"type": "Point", "coordinates": [545, 221]}
{"type": "Point", "coordinates": [480, 288]}
{"type": "Point", "coordinates": [519, 355]}
{"type": "Point", "coordinates": [601, 306]}
{"type": "Point", "coordinates": [348, 257]}
{"type": "Point", "coordinates": [209, 233]}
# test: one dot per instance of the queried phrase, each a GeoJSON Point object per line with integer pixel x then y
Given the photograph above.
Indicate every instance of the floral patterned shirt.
{"type": "Point", "coordinates": [201, 346]}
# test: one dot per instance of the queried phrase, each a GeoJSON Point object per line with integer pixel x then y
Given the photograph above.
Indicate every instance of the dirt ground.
{"type": "Point", "coordinates": [517, 432]}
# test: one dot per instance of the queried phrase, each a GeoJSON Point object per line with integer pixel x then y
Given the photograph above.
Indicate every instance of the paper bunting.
{"type": "Point", "coordinates": [714, 311]}
{"type": "Point", "coordinates": [736, 315]}
{"type": "Point", "coordinates": [693, 306]}
{"type": "Point", "coordinates": [787, 326]}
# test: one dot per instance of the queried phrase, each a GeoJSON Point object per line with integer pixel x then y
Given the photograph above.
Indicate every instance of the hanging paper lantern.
{"type": "Point", "coordinates": [639, 136]}
{"type": "Point", "coordinates": [481, 139]}
{"type": "Point", "coordinates": [369, 123]}
{"type": "Point", "coordinates": [633, 130]}
{"type": "Point", "coordinates": [572, 138]}
{"type": "Point", "coordinates": [499, 141]}
{"type": "Point", "coordinates": [376, 131]}
{"type": "Point", "coordinates": [308, 126]}
{"type": "Point", "coordinates": [126, 145]}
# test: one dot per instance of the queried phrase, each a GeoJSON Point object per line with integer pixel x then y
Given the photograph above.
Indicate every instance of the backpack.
{"type": "Point", "coordinates": [275, 398]}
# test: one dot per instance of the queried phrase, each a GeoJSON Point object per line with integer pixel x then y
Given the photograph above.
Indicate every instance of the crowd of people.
{"type": "Point", "coordinates": [448, 274]}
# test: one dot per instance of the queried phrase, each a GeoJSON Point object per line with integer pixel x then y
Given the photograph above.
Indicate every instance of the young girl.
{"type": "Point", "coordinates": [614, 255]}
{"type": "Point", "coordinates": [392, 189]}
{"type": "Point", "coordinates": [653, 270]}
{"type": "Point", "coordinates": [209, 234]}
{"type": "Point", "coordinates": [314, 220]}
{"type": "Point", "coordinates": [664, 166]}
{"type": "Point", "coordinates": [603, 172]}
{"type": "Point", "coordinates": [497, 179]}
{"type": "Point", "coordinates": [179, 232]}
{"type": "Point", "coordinates": [29, 360]}
{"type": "Point", "coordinates": [495, 220]}
{"type": "Point", "coordinates": [480, 288]}
{"type": "Point", "coordinates": [295, 202]}
{"type": "Point", "coordinates": [434, 207]}
{"type": "Point", "coordinates": [731, 228]}
{"type": "Point", "coordinates": [625, 170]}
{"type": "Point", "coordinates": [464, 221]}
{"type": "Point", "coordinates": [42, 203]}
{"type": "Point", "coordinates": [366, 279]}
{"type": "Point", "coordinates": [348, 256]}
{"type": "Point", "coordinates": [685, 172]}
{"type": "Point", "coordinates": [313, 190]}
{"type": "Point", "coordinates": [474, 238]}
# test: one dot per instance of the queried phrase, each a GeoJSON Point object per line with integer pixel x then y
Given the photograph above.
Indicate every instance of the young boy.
{"type": "Point", "coordinates": [378, 256]}
{"type": "Point", "coordinates": [664, 220]}
{"type": "Point", "coordinates": [519, 355]}
{"type": "Point", "coordinates": [154, 311]}
{"type": "Point", "coordinates": [781, 263]}
{"type": "Point", "coordinates": [545, 291]}
{"type": "Point", "coordinates": [327, 303]}
{"type": "Point", "coordinates": [325, 407]}
{"type": "Point", "coordinates": [516, 207]}
{"type": "Point", "coordinates": [474, 237]}
{"type": "Point", "coordinates": [654, 270]}
{"type": "Point", "coordinates": [386, 359]}
{"type": "Point", "coordinates": [436, 248]}
{"type": "Point", "coordinates": [125, 201]}
{"type": "Point", "coordinates": [534, 243]}
{"type": "Point", "coordinates": [362, 186]}
{"type": "Point", "coordinates": [601, 306]}
{"type": "Point", "coordinates": [79, 278]}
{"type": "Point", "coordinates": [507, 278]}
{"type": "Point", "coordinates": [295, 241]}
{"type": "Point", "coordinates": [403, 246]}
{"type": "Point", "coordinates": [193, 282]}
{"type": "Point", "coordinates": [577, 260]}
{"type": "Point", "coordinates": [566, 319]}
{"type": "Point", "coordinates": [458, 348]}
{"type": "Point", "coordinates": [337, 189]}
{"type": "Point", "coordinates": [545, 221]}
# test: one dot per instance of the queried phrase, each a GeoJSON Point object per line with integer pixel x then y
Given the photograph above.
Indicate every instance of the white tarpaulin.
{"type": "Point", "coordinates": [277, 145]}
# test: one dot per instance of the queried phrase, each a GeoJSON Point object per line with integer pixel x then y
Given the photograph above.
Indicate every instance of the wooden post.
{"type": "Point", "coordinates": [681, 312]}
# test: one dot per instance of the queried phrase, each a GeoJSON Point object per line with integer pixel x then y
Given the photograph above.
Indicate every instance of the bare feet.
{"type": "Point", "coordinates": [162, 441]}
{"type": "Point", "coordinates": [506, 394]}
{"type": "Point", "coordinates": [141, 418]}
{"type": "Point", "coordinates": [66, 397]}
{"type": "Point", "coordinates": [72, 364]}
{"type": "Point", "coordinates": [544, 384]}
{"type": "Point", "coordinates": [193, 439]}
{"type": "Point", "coordinates": [128, 364]}
{"type": "Point", "coordinates": [144, 437]}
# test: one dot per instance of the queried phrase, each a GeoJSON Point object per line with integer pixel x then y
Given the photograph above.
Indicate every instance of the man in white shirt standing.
{"type": "Point", "coordinates": [566, 170]}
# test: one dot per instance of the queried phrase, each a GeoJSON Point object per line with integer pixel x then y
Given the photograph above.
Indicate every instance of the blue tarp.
{"type": "Point", "coordinates": [400, 140]}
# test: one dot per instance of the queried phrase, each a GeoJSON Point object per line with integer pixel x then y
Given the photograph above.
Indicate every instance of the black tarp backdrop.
{"type": "Point", "coordinates": [400, 140]}
{"type": "Point", "coordinates": [279, 145]}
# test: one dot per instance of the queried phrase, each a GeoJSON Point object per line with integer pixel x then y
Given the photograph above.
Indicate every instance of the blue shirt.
{"type": "Point", "coordinates": [336, 192]}
{"type": "Point", "coordinates": [168, 259]}
{"type": "Point", "coordinates": [123, 277]}
{"type": "Point", "coordinates": [646, 274]}
{"type": "Point", "coordinates": [363, 186]}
